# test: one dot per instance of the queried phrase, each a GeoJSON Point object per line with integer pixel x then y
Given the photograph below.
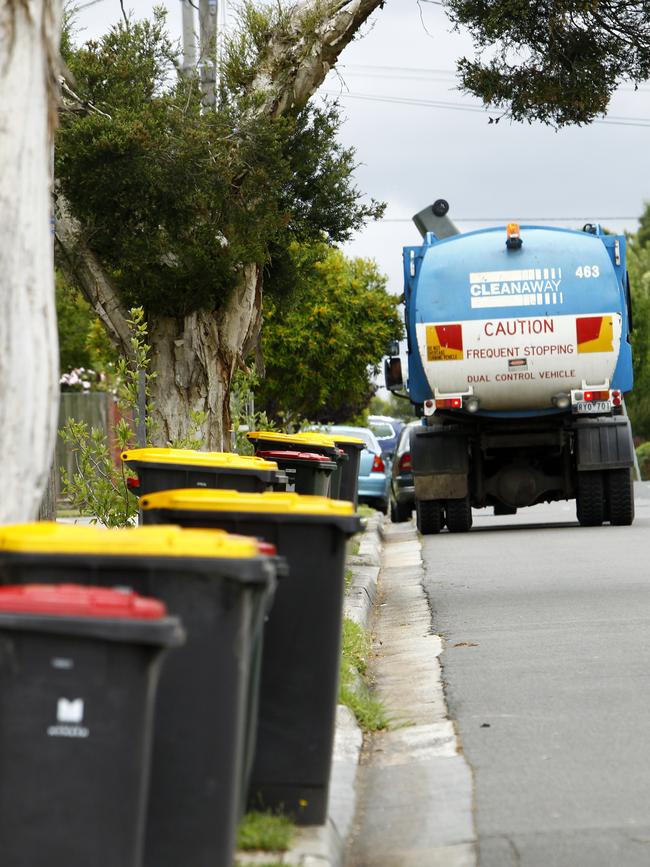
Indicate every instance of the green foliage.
{"type": "Point", "coordinates": [83, 342]}
{"type": "Point", "coordinates": [353, 690]}
{"type": "Point", "coordinates": [74, 318]}
{"type": "Point", "coordinates": [269, 832]}
{"type": "Point", "coordinates": [175, 198]}
{"type": "Point", "coordinates": [643, 234]}
{"type": "Point", "coordinates": [643, 456]}
{"type": "Point", "coordinates": [193, 438]}
{"type": "Point", "coordinates": [557, 62]}
{"type": "Point", "coordinates": [638, 402]}
{"type": "Point", "coordinates": [98, 487]}
{"type": "Point", "coordinates": [393, 407]}
{"type": "Point", "coordinates": [322, 343]}
{"type": "Point", "coordinates": [243, 414]}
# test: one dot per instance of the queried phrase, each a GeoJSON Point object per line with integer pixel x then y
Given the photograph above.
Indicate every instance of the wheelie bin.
{"type": "Point", "coordinates": [160, 469]}
{"type": "Point", "coordinates": [348, 472]}
{"type": "Point", "coordinates": [300, 665]}
{"type": "Point", "coordinates": [306, 441]}
{"type": "Point", "coordinates": [220, 586]}
{"type": "Point", "coordinates": [78, 674]}
{"type": "Point", "coordinates": [307, 472]}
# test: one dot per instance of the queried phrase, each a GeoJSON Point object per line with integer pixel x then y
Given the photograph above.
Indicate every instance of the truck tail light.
{"type": "Point", "coordinates": [449, 403]}
{"type": "Point", "coordinates": [405, 464]}
{"type": "Point", "coordinates": [378, 465]}
{"type": "Point", "coordinates": [133, 483]}
{"type": "Point", "coordinates": [616, 398]}
{"type": "Point", "coordinates": [595, 395]}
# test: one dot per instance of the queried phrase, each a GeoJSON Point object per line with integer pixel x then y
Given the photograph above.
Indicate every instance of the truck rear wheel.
{"type": "Point", "coordinates": [428, 516]}
{"type": "Point", "coordinates": [590, 501]}
{"type": "Point", "coordinates": [459, 515]}
{"type": "Point", "coordinates": [619, 489]}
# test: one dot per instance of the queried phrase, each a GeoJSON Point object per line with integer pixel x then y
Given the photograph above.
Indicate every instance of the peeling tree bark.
{"type": "Point", "coordinates": [196, 357]}
{"type": "Point", "coordinates": [29, 40]}
{"type": "Point", "coordinates": [298, 61]}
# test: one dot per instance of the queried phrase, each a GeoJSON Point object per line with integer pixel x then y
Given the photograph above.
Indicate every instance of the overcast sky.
{"type": "Point", "coordinates": [411, 153]}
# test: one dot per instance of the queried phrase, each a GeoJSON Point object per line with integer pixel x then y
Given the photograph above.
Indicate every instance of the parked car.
{"type": "Point", "coordinates": [402, 500]}
{"type": "Point", "coordinates": [387, 431]}
{"type": "Point", "coordinates": [374, 469]}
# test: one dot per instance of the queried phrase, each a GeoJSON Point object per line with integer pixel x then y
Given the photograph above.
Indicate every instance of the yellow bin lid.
{"type": "Point", "coordinates": [193, 457]}
{"type": "Point", "coordinates": [341, 438]}
{"type": "Point", "coordinates": [300, 439]}
{"type": "Point", "coordinates": [48, 537]}
{"type": "Point", "coordinates": [276, 502]}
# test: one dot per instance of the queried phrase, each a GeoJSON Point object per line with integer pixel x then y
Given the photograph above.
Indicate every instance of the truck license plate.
{"type": "Point", "coordinates": [595, 406]}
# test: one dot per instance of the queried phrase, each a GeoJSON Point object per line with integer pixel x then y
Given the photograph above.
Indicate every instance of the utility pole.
{"type": "Point", "coordinates": [189, 38]}
{"type": "Point", "coordinates": [208, 51]}
{"type": "Point", "coordinates": [221, 35]}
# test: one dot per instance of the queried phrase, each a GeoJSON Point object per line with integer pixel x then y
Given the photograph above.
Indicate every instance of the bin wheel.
{"type": "Point", "coordinates": [619, 489]}
{"type": "Point", "coordinates": [400, 512]}
{"type": "Point", "coordinates": [590, 500]}
{"type": "Point", "coordinates": [459, 515]}
{"type": "Point", "coordinates": [428, 516]}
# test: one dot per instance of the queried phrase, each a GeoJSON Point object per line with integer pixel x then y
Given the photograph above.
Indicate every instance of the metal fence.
{"type": "Point", "coordinates": [96, 408]}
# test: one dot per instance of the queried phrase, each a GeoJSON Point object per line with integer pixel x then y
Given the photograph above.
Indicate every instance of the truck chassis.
{"type": "Point", "coordinates": [465, 462]}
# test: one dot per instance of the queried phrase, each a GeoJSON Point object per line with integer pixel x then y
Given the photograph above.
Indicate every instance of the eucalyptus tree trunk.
{"type": "Point", "coordinates": [195, 358]}
{"type": "Point", "coordinates": [29, 387]}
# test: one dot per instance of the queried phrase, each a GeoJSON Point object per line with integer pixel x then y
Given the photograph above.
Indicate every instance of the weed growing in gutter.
{"type": "Point", "coordinates": [354, 691]}
{"type": "Point", "coordinates": [270, 832]}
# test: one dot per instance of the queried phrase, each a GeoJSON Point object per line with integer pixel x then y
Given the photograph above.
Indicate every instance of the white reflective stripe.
{"type": "Point", "coordinates": [508, 301]}
{"type": "Point", "coordinates": [501, 276]}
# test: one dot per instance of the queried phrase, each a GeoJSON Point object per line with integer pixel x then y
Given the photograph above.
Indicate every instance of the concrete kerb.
{"type": "Point", "coordinates": [324, 845]}
{"type": "Point", "coordinates": [365, 566]}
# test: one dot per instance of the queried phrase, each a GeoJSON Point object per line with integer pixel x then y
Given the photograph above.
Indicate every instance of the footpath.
{"type": "Point", "coordinates": [402, 798]}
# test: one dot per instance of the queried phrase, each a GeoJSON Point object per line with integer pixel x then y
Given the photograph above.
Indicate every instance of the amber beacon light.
{"type": "Point", "coordinates": [513, 236]}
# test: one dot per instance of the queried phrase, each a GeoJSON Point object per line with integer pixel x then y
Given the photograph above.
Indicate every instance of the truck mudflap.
{"type": "Point", "coordinates": [604, 443]}
{"type": "Point", "coordinates": [440, 458]}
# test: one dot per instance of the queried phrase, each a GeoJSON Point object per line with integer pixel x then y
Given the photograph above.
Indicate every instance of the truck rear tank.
{"type": "Point", "coordinates": [519, 358]}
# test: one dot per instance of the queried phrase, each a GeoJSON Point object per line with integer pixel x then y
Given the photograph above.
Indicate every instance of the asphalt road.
{"type": "Point", "coordinates": [547, 671]}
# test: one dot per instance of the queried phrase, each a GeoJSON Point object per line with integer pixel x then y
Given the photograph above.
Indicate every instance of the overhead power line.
{"type": "Point", "coordinates": [460, 106]}
{"type": "Point", "coordinates": [418, 73]}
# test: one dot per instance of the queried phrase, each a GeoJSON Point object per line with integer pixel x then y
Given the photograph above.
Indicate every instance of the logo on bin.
{"type": "Point", "coordinates": [70, 711]}
{"type": "Point", "coordinates": [69, 716]}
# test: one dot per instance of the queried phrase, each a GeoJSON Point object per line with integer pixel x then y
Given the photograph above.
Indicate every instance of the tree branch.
{"type": "Point", "coordinates": [299, 58]}
{"type": "Point", "coordinates": [86, 272]}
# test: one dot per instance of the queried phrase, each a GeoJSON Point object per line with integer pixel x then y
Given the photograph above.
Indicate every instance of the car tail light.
{"type": "Point", "coordinates": [378, 465]}
{"type": "Point", "coordinates": [449, 403]}
{"type": "Point", "coordinates": [405, 464]}
{"type": "Point", "coordinates": [595, 395]}
{"type": "Point", "coordinates": [133, 483]}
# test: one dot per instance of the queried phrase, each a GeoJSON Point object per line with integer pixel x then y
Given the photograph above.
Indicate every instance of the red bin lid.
{"type": "Point", "coordinates": [74, 600]}
{"type": "Point", "coordinates": [294, 456]}
{"type": "Point", "coordinates": [267, 548]}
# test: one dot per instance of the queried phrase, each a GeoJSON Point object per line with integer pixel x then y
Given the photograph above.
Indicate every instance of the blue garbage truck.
{"type": "Point", "coordinates": [519, 358]}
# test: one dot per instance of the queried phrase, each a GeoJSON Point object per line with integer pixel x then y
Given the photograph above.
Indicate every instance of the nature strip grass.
{"type": "Point", "coordinates": [270, 832]}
